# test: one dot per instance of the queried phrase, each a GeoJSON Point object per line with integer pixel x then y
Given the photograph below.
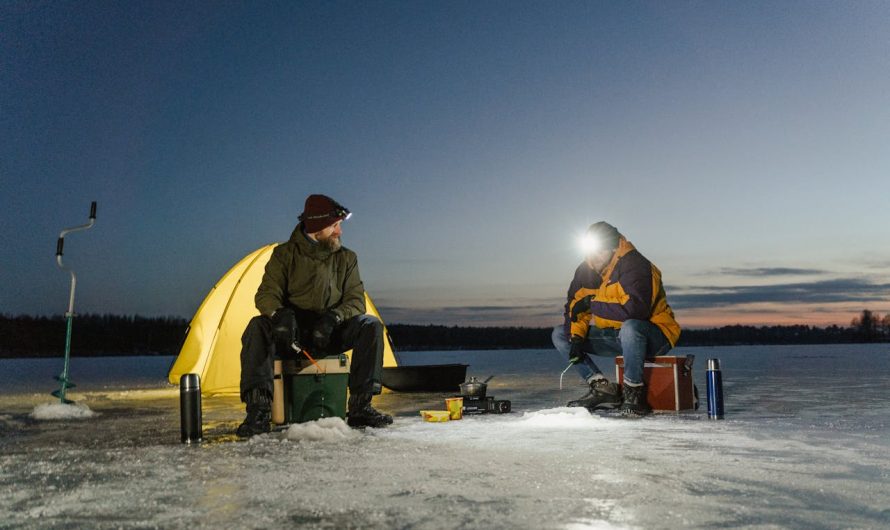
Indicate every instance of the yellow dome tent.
{"type": "Point", "coordinates": [212, 347]}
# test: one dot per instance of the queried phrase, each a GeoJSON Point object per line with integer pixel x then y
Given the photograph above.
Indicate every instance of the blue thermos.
{"type": "Point", "coordinates": [715, 390]}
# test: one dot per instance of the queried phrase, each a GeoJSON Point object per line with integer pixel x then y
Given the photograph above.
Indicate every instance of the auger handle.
{"type": "Point", "coordinates": [93, 210]}
{"type": "Point", "coordinates": [60, 246]}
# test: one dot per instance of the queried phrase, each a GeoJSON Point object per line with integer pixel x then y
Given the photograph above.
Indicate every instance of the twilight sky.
{"type": "Point", "coordinates": [743, 147]}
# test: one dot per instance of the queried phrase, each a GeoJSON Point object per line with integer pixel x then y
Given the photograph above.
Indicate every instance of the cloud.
{"type": "Point", "coordinates": [770, 271]}
{"type": "Point", "coordinates": [819, 292]}
{"type": "Point", "coordinates": [876, 264]}
{"type": "Point", "coordinates": [736, 303]}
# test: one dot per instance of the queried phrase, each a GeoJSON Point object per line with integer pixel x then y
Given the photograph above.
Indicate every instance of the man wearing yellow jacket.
{"type": "Point", "coordinates": [616, 305]}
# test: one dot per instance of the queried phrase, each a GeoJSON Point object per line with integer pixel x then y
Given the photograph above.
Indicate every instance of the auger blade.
{"type": "Point", "coordinates": [58, 394]}
{"type": "Point", "coordinates": [66, 381]}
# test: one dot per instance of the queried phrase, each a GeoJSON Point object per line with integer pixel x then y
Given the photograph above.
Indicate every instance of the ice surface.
{"type": "Point", "coordinates": [805, 445]}
{"type": "Point", "coordinates": [62, 411]}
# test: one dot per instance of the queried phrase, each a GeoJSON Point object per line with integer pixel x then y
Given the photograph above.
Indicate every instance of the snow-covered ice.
{"type": "Point", "coordinates": [805, 445]}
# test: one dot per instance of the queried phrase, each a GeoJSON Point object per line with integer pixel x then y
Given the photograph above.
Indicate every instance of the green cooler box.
{"type": "Point", "coordinates": [312, 392]}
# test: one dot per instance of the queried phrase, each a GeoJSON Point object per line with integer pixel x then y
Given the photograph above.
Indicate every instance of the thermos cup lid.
{"type": "Point", "coordinates": [189, 382]}
{"type": "Point", "coordinates": [713, 364]}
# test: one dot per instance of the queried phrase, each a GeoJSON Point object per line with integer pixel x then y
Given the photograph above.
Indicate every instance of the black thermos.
{"type": "Point", "coordinates": [190, 408]}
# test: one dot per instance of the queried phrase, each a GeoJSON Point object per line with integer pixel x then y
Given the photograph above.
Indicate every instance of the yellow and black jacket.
{"type": "Point", "coordinates": [584, 283]}
{"type": "Point", "coordinates": [629, 288]}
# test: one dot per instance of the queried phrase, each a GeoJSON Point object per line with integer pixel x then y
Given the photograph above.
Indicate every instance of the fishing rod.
{"type": "Point", "coordinates": [62, 378]}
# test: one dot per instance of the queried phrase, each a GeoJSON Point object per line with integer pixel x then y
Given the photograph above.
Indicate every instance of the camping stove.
{"type": "Point", "coordinates": [485, 405]}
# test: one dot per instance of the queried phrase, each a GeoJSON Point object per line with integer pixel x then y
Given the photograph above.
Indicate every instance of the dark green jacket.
{"type": "Point", "coordinates": [307, 275]}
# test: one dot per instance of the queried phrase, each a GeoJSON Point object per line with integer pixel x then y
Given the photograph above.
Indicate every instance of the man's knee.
{"type": "Point", "coordinates": [258, 325]}
{"type": "Point", "coordinates": [370, 325]}
{"type": "Point", "coordinates": [633, 327]}
{"type": "Point", "coordinates": [370, 321]}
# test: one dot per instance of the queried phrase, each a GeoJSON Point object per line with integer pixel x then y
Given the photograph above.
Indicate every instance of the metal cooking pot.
{"type": "Point", "coordinates": [473, 388]}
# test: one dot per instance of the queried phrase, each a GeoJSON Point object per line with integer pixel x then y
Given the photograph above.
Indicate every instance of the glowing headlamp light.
{"type": "Point", "coordinates": [589, 243]}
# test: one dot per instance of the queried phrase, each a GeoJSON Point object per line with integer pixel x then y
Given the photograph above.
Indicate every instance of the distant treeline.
{"type": "Point", "coordinates": [419, 338]}
{"type": "Point", "coordinates": [93, 335]}
{"type": "Point", "coordinates": [98, 335]}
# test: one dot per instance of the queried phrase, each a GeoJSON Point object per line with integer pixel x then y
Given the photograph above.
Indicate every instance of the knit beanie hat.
{"type": "Point", "coordinates": [321, 212]}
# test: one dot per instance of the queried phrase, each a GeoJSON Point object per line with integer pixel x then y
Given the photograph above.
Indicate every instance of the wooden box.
{"type": "Point", "coordinates": [668, 380]}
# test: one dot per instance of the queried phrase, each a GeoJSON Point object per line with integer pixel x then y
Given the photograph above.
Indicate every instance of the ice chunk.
{"type": "Point", "coordinates": [62, 411]}
{"type": "Point", "coordinates": [323, 430]}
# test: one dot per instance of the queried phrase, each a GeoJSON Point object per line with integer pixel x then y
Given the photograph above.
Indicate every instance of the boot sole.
{"type": "Point", "coordinates": [629, 413]}
{"type": "Point", "coordinates": [245, 436]}
{"type": "Point", "coordinates": [619, 413]}
{"type": "Point", "coordinates": [362, 425]}
{"type": "Point", "coordinates": [600, 405]}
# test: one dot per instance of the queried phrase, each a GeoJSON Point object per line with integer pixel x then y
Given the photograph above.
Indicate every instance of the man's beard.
{"type": "Point", "coordinates": [332, 243]}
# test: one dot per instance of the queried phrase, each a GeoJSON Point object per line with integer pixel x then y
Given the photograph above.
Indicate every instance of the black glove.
{"type": "Point", "coordinates": [576, 354]}
{"type": "Point", "coordinates": [284, 328]}
{"type": "Point", "coordinates": [321, 335]}
{"type": "Point", "coordinates": [581, 306]}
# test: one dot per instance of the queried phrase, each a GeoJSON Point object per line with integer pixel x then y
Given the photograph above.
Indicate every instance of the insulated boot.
{"type": "Point", "coordinates": [259, 413]}
{"type": "Point", "coordinates": [362, 414]}
{"type": "Point", "coordinates": [635, 401]}
{"type": "Point", "coordinates": [602, 395]}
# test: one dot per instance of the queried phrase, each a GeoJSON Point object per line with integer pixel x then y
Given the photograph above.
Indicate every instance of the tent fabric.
{"type": "Point", "coordinates": [212, 347]}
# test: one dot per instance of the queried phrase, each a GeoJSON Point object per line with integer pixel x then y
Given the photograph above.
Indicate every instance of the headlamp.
{"type": "Point", "coordinates": [589, 243]}
{"type": "Point", "coordinates": [338, 213]}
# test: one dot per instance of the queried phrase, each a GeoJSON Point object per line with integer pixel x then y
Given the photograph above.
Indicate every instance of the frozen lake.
{"type": "Point", "coordinates": [806, 444]}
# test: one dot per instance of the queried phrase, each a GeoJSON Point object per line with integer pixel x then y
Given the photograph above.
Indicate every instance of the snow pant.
{"type": "Point", "coordinates": [362, 334]}
{"type": "Point", "coordinates": [637, 340]}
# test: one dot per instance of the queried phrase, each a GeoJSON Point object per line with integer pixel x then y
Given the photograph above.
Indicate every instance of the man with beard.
{"type": "Point", "coordinates": [312, 295]}
{"type": "Point", "coordinates": [616, 305]}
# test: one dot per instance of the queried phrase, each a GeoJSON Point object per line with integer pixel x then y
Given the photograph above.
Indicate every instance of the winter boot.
{"type": "Point", "coordinates": [362, 414]}
{"type": "Point", "coordinates": [602, 395]}
{"type": "Point", "coordinates": [635, 401]}
{"type": "Point", "coordinates": [259, 413]}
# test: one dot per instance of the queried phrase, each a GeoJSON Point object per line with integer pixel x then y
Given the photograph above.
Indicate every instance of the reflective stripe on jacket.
{"type": "Point", "coordinates": [631, 288]}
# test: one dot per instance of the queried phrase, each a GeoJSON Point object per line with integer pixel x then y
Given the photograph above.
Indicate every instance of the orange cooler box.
{"type": "Point", "coordinates": [668, 379]}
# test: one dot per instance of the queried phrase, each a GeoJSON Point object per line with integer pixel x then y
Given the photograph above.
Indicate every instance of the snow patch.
{"type": "Point", "coordinates": [561, 418]}
{"type": "Point", "coordinates": [62, 411]}
{"type": "Point", "coordinates": [561, 429]}
{"type": "Point", "coordinates": [323, 430]}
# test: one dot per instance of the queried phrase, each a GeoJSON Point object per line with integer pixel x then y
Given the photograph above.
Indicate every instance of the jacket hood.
{"type": "Point", "coordinates": [307, 246]}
